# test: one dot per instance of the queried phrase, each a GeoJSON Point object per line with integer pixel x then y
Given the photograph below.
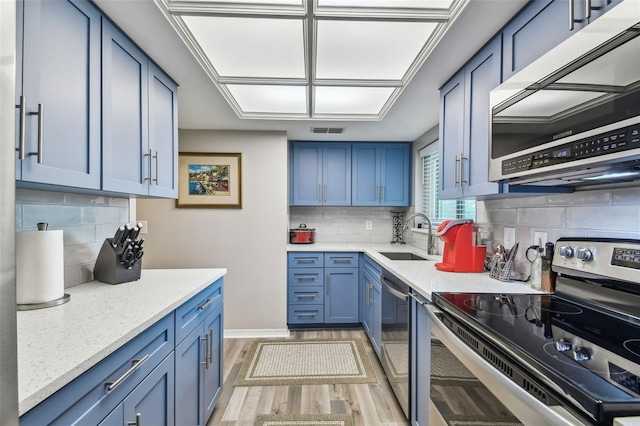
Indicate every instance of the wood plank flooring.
{"type": "Point", "coordinates": [369, 404]}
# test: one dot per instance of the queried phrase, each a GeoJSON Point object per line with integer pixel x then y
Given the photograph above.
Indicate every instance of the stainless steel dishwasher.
{"type": "Point", "coordinates": [394, 352]}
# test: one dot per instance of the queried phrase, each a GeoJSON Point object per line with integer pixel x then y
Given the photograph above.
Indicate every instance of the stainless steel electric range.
{"type": "Point", "coordinates": [578, 348]}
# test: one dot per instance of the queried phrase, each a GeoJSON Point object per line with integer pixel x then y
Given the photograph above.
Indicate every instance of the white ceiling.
{"type": "Point", "coordinates": [202, 106]}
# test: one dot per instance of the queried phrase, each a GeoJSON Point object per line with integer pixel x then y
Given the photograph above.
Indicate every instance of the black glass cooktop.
{"type": "Point", "coordinates": [593, 356]}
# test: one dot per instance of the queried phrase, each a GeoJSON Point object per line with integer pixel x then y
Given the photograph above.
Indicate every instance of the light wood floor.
{"type": "Point", "coordinates": [369, 404]}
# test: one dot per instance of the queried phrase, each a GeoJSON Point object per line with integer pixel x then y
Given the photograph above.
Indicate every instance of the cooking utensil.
{"type": "Point", "coordinates": [513, 252]}
{"type": "Point", "coordinates": [117, 237]}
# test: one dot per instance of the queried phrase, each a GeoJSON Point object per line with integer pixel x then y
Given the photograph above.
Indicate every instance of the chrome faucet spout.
{"type": "Point", "coordinates": [430, 237]}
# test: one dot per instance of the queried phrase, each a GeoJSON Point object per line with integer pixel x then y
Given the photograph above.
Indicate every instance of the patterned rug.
{"type": "Point", "coordinates": [446, 369]}
{"type": "Point", "coordinates": [304, 362]}
{"type": "Point", "coordinates": [304, 420]}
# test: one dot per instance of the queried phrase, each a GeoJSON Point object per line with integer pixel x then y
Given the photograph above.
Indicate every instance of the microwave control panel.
{"type": "Point", "coordinates": [605, 143]}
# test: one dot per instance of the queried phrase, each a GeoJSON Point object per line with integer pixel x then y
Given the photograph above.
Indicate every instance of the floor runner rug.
{"type": "Point", "coordinates": [305, 362]}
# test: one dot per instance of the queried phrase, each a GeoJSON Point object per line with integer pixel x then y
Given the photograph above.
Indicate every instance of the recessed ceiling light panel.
{"type": "Point", "coordinates": [351, 100]}
{"type": "Point", "coordinates": [418, 4]}
{"type": "Point", "coordinates": [369, 50]}
{"type": "Point", "coordinates": [272, 99]}
{"type": "Point", "coordinates": [251, 47]}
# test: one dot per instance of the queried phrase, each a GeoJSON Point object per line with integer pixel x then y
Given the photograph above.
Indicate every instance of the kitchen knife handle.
{"type": "Point", "coordinates": [21, 126]}
{"type": "Point", "coordinates": [136, 363]}
{"type": "Point", "coordinates": [40, 115]}
{"type": "Point", "coordinates": [206, 350]}
{"type": "Point", "coordinates": [156, 179]}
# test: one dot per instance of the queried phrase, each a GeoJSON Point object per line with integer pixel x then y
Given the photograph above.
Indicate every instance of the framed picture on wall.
{"type": "Point", "coordinates": [209, 180]}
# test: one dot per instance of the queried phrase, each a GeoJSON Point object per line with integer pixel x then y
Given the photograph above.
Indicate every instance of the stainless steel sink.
{"type": "Point", "coordinates": [402, 255]}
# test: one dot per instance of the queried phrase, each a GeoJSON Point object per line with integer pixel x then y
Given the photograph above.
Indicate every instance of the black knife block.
{"type": "Point", "coordinates": [109, 268]}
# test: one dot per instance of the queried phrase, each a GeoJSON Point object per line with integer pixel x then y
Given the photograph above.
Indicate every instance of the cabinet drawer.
{"type": "Point", "coordinates": [305, 259]}
{"type": "Point", "coordinates": [372, 267]}
{"type": "Point", "coordinates": [192, 312]}
{"type": "Point", "coordinates": [305, 276]}
{"type": "Point", "coordinates": [305, 314]}
{"type": "Point", "coordinates": [340, 260]}
{"type": "Point", "coordinates": [306, 295]}
{"type": "Point", "coordinates": [94, 394]}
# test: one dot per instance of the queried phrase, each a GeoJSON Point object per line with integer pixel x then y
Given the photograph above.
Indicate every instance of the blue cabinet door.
{"type": "Point", "coordinates": [395, 173]}
{"type": "Point", "coordinates": [420, 364]}
{"type": "Point", "coordinates": [125, 104]}
{"type": "Point", "coordinates": [61, 72]}
{"type": "Point", "coordinates": [365, 182]}
{"type": "Point", "coordinates": [451, 142]}
{"type": "Point", "coordinates": [482, 74]}
{"type": "Point", "coordinates": [153, 399]}
{"type": "Point", "coordinates": [540, 26]}
{"type": "Point", "coordinates": [341, 295]}
{"type": "Point", "coordinates": [163, 134]}
{"type": "Point", "coordinates": [321, 174]}
{"type": "Point", "coordinates": [189, 355]}
{"type": "Point", "coordinates": [213, 376]}
{"type": "Point", "coordinates": [381, 174]}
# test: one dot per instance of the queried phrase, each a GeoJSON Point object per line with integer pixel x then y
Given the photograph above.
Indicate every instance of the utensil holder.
{"type": "Point", "coordinates": [109, 267]}
{"type": "Point", "coordinates": [501, 271]}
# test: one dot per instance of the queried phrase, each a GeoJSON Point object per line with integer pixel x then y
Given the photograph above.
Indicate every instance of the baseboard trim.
{"type": "Point", "coordinates": [256, 333]}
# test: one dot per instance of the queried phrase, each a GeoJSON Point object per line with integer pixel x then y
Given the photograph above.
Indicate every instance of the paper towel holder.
{"type": "Point", "coordinates": [42, 305]}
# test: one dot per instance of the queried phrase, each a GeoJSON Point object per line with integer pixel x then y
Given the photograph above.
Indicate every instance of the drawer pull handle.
{"type": "Point", "coordinates": [306, 314]}
{"type": "Point", "coordinates": [206, 304]}
{"type": "Point", "coordinates": [341, 259]}
{"type": "Point", "coordinates": [207, 356]}
{"type": "Point", "coordinates": [210, 346]}
{"type": "Point", "coordinates": [305, 277]}
{"type": "Point", "coordinates": [137, 422]}
{"type": "Point", "coordinates": [136, 363]}
{"type": "Point", "coordinates": [305, 259]}
{"type": "Point", "coordinates": [306, 295]}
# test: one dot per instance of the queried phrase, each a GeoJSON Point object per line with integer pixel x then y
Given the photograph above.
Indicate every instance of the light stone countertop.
{"type": "Point", "coordinates": [58, 344]}
{"type": "Point", "coordinates": [420, 275]}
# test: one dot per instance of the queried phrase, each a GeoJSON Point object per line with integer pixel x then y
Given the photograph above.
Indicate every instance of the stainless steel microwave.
{"type": "Point", "coordinates": [573, 116]}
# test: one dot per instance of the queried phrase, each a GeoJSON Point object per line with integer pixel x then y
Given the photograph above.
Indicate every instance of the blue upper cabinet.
{"type": "Point", "coordinates": [125, 106]}
{"type": "Point", "coordinates": [58, 76]}
{"type": "Point", "coordinates": [381, 174]}
{"type": "Point", "coordinates": [139, 120]}
{"type": "Point", "coordinates": [464, 126]}
{"type": "Point", "coordinates": [542, 25]}
{"type": "Point", "coordinates": [163, 134]}
{"type": "Point", "coordinates": [321, 174]}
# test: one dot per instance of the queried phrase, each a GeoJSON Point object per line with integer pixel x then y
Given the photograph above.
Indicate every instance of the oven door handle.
{"type": "Point", "coordinates": [393, 289]}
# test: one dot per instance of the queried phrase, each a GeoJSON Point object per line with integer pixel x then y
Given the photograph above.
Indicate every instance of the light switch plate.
{"type": "Point", "coordinates": [145, 227]}
{"type": "Point", "coordinates": [509, 237]}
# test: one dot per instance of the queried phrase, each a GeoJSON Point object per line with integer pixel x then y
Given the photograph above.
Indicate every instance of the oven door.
{"type": "Point", "coordinates": [525, 406]}
{"type": "Point", "coordinates": [394, 352]}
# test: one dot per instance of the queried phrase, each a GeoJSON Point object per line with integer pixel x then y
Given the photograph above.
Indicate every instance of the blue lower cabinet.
{"type": "Point", "coordinates": [154, 379]}
{"type": "Point", "coordinates": [341, 295]}
{"type": "Point", "coordinates": [149, 401]}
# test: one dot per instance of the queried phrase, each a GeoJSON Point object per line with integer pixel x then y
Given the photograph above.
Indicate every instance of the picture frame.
{"type": "Point", "coordinates": [209, 180]}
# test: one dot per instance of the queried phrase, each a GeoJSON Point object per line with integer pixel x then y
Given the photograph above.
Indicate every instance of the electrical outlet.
{"type": "Point", "coordinates": [539, 238]}
{"type": "Point", "coordinates": [368, 225]}
{"type": "Point", "coordinates": [509, 237]}
{"type": "Point", "coordinates": [145, 227]}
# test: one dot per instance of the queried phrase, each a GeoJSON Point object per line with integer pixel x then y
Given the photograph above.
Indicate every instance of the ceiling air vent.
{"type": "Point", "coordinates": [332, 130]}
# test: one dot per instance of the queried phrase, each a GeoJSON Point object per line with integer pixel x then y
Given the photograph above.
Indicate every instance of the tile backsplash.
{"type": "Point", "coordinates": [86, 220]}
{"type": "Point", "coordinates": [600, 213]}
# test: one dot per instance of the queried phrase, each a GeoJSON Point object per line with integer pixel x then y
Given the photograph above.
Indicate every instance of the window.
{"type": "Point", "coordinates": [440, 210]}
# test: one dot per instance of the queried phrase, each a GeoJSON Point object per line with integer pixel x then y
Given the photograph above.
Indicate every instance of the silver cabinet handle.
{"type": "Point", "coordinates": [206, 304]}
{"type": "Point", "coordinates": [136, 363]}
{"type": "Point", "coordinates": [341, 259]}
{"type": "Point", "coordinates": [305, 260]}
{"type": "Point", "coordinates": [326, 283]}
{"type": "Point", "coordinates": [324, 193]}
{"type": "Point", "coordinates": [462, 158]}
{"type": "Point", "coordinates": [148, 154]}
{"type": "Point", "coordinates": [206, 350]}
{"type": "Point", "coordinates": [570, 15]}
{"type": "Point", "coordinates": [306, 314]}
{"type": "Point", "coordinates": [377, 192]}
{"type": "Point", "coordinates": [21, 127]}
{"type": "Point", "coordinates": [319, 193]}
{"type": "Point", "coordinates": [382, 188]}
{"type": "Point", "coordinates": [455, 172]}
{"type": "Point", "coordinates": [40, 115]}
{"type": "Point", "coordinates": [306, 295]}
{"type": "Point", "coordinates": [366, 294]}
{"type": "Point", "coordinates": [587, 12]}
{"type": "Point", "coordinates": [305, 277]}
{"type": "Point", "coordinates": [156, 179]}
{"type": "Point", "coordinates": [210, 346]}
{"type": "Point", "coordinates": [137, 422]}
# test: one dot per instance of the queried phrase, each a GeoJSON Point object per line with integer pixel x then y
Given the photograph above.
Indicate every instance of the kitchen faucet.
{"type": "Point", "coordinates": [430, 238]}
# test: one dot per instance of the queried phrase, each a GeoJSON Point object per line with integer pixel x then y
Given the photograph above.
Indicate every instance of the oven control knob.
{"type": "Point", "coordinates": [585, 255]}
{"type": "Point", "coordinates": [581, 354]}
{"type": "Point", "coordinates": [566, 252]}
{"type": "Point", "coordinates": [563, 345]}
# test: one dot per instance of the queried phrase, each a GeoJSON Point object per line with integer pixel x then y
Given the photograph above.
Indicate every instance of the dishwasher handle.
{"type": "Point", "coordinates": [393, 289]}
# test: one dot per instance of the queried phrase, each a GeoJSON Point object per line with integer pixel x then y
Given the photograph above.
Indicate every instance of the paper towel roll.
{"type": "Point", "coordinates": [39, 266]}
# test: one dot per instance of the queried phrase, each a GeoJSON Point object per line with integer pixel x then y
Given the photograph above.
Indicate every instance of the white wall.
{"type": "Point", "coordinates": [249, 242]}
